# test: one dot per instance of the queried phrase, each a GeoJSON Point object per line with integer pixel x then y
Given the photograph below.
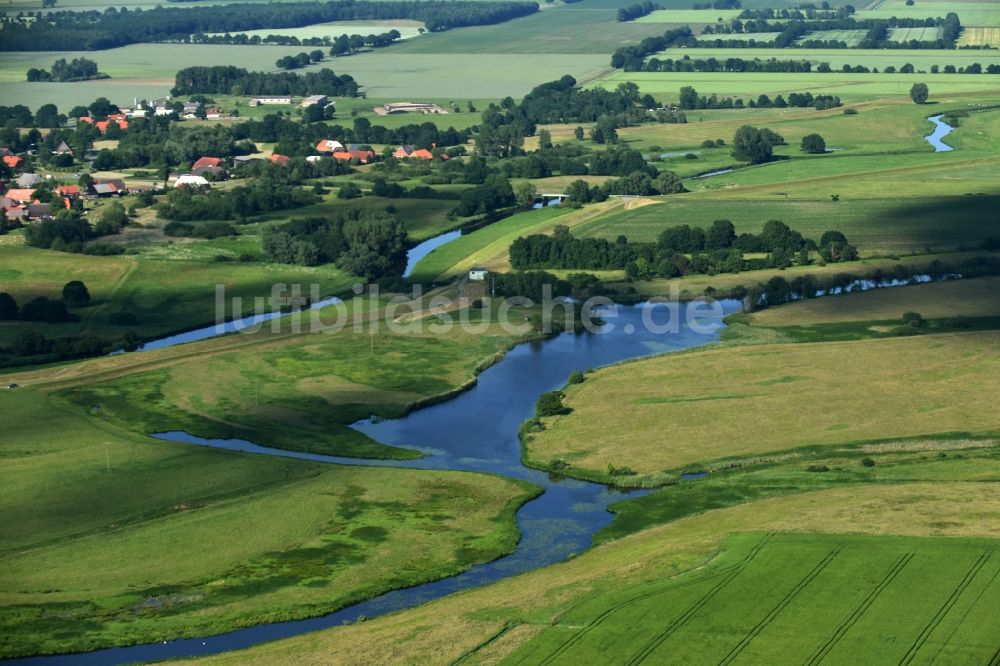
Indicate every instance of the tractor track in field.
{"type": "Point", "coordinates": [860, 610]}
{"type": "Point", "coordinates": [780, 606]}
{"type": "Point", "coordinates": [945, 608]}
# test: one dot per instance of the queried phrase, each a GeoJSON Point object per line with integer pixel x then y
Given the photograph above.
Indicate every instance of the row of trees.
{"type": "Point", "coordinates": [341, 45]}
{"type": "Point", "coordinates": [690, 99]}
{"type": "Point", "coordinates": [94, 30]}
{"type": "Point", "coordinates": [679, 250]}
{"type": "Point", "coordinates": [230, 80]}
{"type": "Point", "coordinates": [638, 10]}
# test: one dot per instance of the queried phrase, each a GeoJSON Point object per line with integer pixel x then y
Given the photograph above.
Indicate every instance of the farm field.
{"type": "Point", "coordinates": [849, 37]}
{"type": "Point", "coordinates": [849, 87]}
{"type": "Point", "coordinates": [919, 34]}
{"type": "Point", "coordinates": [980, 36]}
{"type": "Point", "coordinates": [792, 598]}
{"type": "Point", "coordinates": [923, 387]}
{"type": "Point", "coordinates": [406, 29]}
{"type": "Point", "coordinates": [682, 16]}
{"type": "Point", "coordinates": [760, 37]}
{"type": "Point", "coordinates": [493, 622]}
{"type": "Point", "coordinates": [93, 562]}
{"type": "Point", "coordinates": [977, 297]}
{"type": "Point", "coordinates": [970, 13]}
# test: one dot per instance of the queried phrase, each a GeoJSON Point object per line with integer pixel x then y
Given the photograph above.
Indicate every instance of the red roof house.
{"type": "Point", "coordinates": [280, 160]}
{"type": "Point", "coordinates": [206, 162]}
{"type": "Point", "coordinates": [21, 196]}
{"type": "Point", "coordinates": [68, 191]}
{"type": "Point", "coordinates": [13, 161]}
{"type": "Point", "coordinates": [363, 156]}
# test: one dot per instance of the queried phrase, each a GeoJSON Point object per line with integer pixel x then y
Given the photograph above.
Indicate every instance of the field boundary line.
{"type": "Point", "coordinates": [945, 608]}
{"type": "Point", "coordinates": [860, 610]}
{"type": "Point", "coordinates": [780, 606]}
{"type": "Point", "coordinates": [658, 640]}
{"type": "Point", "coordinates": [489, 639]}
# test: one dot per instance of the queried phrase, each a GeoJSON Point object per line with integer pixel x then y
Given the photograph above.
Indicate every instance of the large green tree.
{"type": "Point", "coordinates": [919, 93]}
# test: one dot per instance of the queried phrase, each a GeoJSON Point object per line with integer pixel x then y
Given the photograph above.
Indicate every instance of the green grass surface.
{"type": "Point", "coordinates": [445, 260]}
{"type": "Point", "coordinates": [111, 538]}
{"type": "Point", "coordinates": [915, 386]}
{"type": "Point", "coordinates": [792, 598]}
{"type": "Point", "coordinates": [298, 392]}
{"type": "Point", "coordinates": [166, 295]}
{"type": "Point", "coordinates": [682, 16]}
{"type": "Point", "coordinates": [919, 34]}
{"type": "Point", "coordinates": [849, 37]}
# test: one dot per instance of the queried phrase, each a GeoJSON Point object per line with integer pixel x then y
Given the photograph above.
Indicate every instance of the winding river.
{"type": "Point", "coordinates": [941, 130]}
{"type": "Point", "coordinates": [475, 431]}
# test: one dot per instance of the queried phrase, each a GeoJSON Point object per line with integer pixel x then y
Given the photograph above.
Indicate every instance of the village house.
{"type": "Point", "coordinates": [409, 152]}
{"type": "Point", "coordinates": [363, 156]}
{"type": "Point", "coordinates": [20, 196]}
{"type": "Point", "coordinates": [68, 191]}
{"type": "Point", "coordinates": [244, 159]}
{"type": "Point", "coordinates": [28, 180]}
{"type": "Point", "coordinates": [162, 110]}
{"type": "Point", "coordinates": [280, 160]}
{"type": "Point", "coordinates": [213, 113]}
{"type": "Point", "coordinates": [109, 187]}
{"type": "Point", "coordinates": [63, 149]}
{"type": "Point", "coordinates": [102, 125]}
{"type": "Point", "coordinates": [216, 172]}
{"type": "Point", "coordinates": [329, 146]}
{"type": "Point", "coordinates": [37, 211]}
{"type": "Point", "coordinates": [206, 162]}
{"type": "Point", "coordinates": [13, 161]}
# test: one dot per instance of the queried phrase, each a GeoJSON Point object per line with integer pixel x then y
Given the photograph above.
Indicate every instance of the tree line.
{"type": "Point", "coordinates": [680, 250]}
{"type": "Point", "coordinates": [230, 80]}
{"type": "Point", "coordinates": [638, 10]}
{"type": "Point", "coordinates": [94, 30]}
{"type": "Point", "coordinates": [340, 45]}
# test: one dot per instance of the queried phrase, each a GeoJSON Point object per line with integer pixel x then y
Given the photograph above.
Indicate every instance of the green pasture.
{"type": "Point", "coordinates": [111, 538]}
{"type": "Point", "coordinates": [849, 37]}
{"type": "Point", "coordinates": [919, 34]}
{"type": "Point", "coordinates": [727, 37]}
{"type": "Point", "coordinates": [682, 16]}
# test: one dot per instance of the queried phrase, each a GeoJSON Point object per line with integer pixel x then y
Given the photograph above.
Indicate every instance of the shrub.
{"type": "Point", "coordinates": [550, 404]}
{"type": "Point", "coordinates": [817, 468]}
{"type": "Point", "coordinates": [913, 319]}
{"type": "Point", "coordinates": [867, 462]}
{"type": "Point", "coordinates": [576, 377]}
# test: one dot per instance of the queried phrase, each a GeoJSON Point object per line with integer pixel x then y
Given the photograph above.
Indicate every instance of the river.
{"type": "Point", "coordinates": [941, 130]}
{"type": "Point", "coordinates": [475, 431]}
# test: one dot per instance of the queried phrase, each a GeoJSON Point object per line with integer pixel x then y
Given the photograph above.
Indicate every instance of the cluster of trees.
{"type": "Point", "coordinates": [637, 10]}
{"type": "Point", "coordinates": [272, 190]}
{"type": "Point", "coordinates": [368, 244]}
{"type": "Point", "coordinates": [631, 57]}
{"type": "Point", "coordinates": [229, 80]}
{"type": "Point", "coordinates": [754, 145]}
{"type": "Point", "coordinates": [96, 30]}
{"type": "Point", "coordinates": [44, 309]}
{"type": "Point", "coordinates": [78, 69]}
{"type": "Point", "coordinates": [340, 45]}
{"type": "Point", "coordinates": [299, 61]}
{"type": "Point", "coordinates": [679, 250]}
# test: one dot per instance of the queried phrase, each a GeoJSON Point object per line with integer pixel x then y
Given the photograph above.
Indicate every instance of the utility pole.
{"type": "Point", "coordinates": [107, 455]}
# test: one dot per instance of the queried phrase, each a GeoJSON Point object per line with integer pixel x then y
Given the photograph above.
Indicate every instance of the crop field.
{"type": "Point", "coordinates": [970, 13]}
{"type": "Point", "coordinates": [562, 29]}
{"type": "Point", "coordinates": [492, 623]}
{"type": "Point", "coordinates": [667, 412]}
{"type": "Point", "coordinates": [849, 87]}
{"type": "Point", "coordinates": [980, 37]}
{"type": "Point", "coordinates": [760, 37]}
{"type": "Point", "coordinates": [689, 16]}
{"type": "Point", "coordinates": [874, 225]}
{"type": "Point", "coordinates": [919, 34]}
{"type": "Point", "coordinates": [849, 37]}
{"type": "Point", "coordinates": [90, 562]}
{"type": "Point", "coordinates": [977, 297]}
{"type": "Point", "coordinates": [795, 599]}
{"type": "Point", "coordinates": [406, 29]}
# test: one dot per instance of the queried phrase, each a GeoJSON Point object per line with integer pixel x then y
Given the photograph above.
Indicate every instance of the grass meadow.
{"type": "Point", "coordinates": [215, 540]}
{"type": "Point", "coordinates": [977, 297]}
{"type": "Point", "coordinates": [674, 411]}
{"type": "Point", "coordinates": [493, 623]}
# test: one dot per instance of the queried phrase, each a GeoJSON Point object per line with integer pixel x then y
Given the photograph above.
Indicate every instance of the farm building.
{"type": "Point", "coordinates": [313, 100]}
{"type": "Point", "coordinates": [329, 146]}
{"type": "Point", "coordinates": [280, 160]}
{"type": "Point", "coordinates": [206, 162]}
{"type": "Point", "coordinates": [407, 152]}
{"type": "Point", "coordinates": [478, 274]}
{"type": "Point", "coordinates": [23, 195]}
{"type": "Point", "coordinates": [408, 107]}
{"type": "Point", "coordinates": [191, 180]}
{"type": "Point", "coordinates": [260, 101]}
{"type": "Point", "coordinates": [28, 180]}
{"type": "Point", "coordinates": [13, 161]}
